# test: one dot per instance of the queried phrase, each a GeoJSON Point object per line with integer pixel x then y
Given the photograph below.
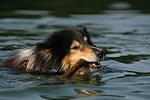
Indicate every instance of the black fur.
{"type": "Point", "coordinates": [46, 57]}
{"type": "Point", "coordinates": [59, 43]}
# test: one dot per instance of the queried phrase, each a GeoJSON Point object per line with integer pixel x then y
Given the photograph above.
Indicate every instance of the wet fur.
{"type": "Point", "coordinates": [52, 55]}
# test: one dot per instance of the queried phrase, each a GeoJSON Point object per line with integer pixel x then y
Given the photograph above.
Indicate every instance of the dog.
{"type": "Point", "coordinates": [65, 52]}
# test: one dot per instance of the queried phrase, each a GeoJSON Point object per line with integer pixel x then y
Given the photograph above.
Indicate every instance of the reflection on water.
{"type": "Point", "coordinates": [121, 28]}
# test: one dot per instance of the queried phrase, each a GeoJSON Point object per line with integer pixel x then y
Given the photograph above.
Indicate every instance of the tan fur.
{"type": "Point", "coordinates": [46, 53]}
{"type": "Point", "coordinates": [81, 52]}
{"type": "Point", "coordinates": [85, 39]}
{"type": "Point", "coordinates": [47, 57]}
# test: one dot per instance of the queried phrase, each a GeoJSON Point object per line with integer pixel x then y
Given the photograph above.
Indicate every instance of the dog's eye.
{"type": "Point", "coordinates": [75, 47]}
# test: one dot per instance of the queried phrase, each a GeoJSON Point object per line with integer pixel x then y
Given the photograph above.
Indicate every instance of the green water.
{"type": "Point", "coordinates": [121, 27]}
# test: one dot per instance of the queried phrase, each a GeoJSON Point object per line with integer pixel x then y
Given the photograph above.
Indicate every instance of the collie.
{"type": "Point", "coordinates": [65, 52]}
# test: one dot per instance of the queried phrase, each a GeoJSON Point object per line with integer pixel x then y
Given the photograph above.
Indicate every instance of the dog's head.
{"type": "Point", "coordinates": [66, 48]}
{"type": "Point", "coordinates": [82, 49]}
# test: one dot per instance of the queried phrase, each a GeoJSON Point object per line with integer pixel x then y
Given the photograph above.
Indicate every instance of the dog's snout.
{"type": "Point", "coordinates": [97, 51]}
{"type": "Point", "coordinates": [101, 53]}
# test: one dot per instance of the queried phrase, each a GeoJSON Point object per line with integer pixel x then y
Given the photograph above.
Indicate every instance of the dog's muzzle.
{"type": "Point", "coordinates": [94, 66]}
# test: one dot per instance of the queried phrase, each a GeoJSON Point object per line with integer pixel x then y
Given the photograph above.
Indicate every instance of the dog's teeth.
{"type": "Point", "coordinates": [94, 65]}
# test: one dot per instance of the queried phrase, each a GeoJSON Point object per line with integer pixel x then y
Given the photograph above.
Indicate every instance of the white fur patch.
{"type": "Point", "coordinates": [25, 54]}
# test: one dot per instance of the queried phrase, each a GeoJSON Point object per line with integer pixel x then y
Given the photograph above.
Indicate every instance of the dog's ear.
{"type": "Point", "coordinates": [85, 30]}
{"type": "Point", "coordinates": [85, 33]}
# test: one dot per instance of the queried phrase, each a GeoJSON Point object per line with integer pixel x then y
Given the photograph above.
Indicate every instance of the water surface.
{"type": "Point", "coordinates": [125, 74]}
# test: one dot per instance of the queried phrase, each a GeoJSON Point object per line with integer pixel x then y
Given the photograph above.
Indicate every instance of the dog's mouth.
{"type": "Point", "coordinates": [94, 64]}
{"type": "Point", "coordinates": [82, 67]}
{"type": "Point", "coordinates": [87, 67]}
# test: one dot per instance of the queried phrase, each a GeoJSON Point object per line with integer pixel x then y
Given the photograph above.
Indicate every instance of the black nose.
{"type": "Point", "coordinates": [102, 53]}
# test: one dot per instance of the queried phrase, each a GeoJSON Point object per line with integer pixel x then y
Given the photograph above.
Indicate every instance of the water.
{"type": "Point", "coordinates": [125, 74]}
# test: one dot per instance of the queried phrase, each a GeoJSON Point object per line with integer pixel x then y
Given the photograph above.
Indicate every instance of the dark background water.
{"type": "Point", "coordinates": [122, 26]}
